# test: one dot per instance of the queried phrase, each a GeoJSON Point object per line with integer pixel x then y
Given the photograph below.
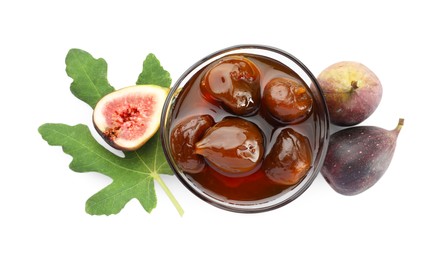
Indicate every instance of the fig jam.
{"type": "Point", "coordinates": [198, 99]}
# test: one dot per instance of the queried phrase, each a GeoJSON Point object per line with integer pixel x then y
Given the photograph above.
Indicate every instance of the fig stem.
{"type": "Point", "coordinates": [168, 192]}
{"type": "Point", "coordinates": [354, 84]}
{"type": "Point", "coordinates": [399, 125]}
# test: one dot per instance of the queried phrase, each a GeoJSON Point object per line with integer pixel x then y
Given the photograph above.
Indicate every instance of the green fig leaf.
{"type": "Point", "coordinates": [133, 175]}
{"type": "Point", "coordinates": [89, 76]}
{"type": "Point", "coordinates": [153, 73]}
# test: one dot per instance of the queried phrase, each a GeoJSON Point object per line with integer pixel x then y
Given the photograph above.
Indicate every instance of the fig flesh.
{"type": "Point", "coordinates": [127, 118]}
{"type": "Point", "coordinates": [233, 147]}
{"type": "Point", "coordinates": [290, 158]}
{"type": "Point", "coordinates": [183, 139]}
{"type": "Point", "coordinates": [351, 90]}
{"type": "Point", "coordinates": [234, 82]}
{"type": "Point", "coordinates": [357, 157]}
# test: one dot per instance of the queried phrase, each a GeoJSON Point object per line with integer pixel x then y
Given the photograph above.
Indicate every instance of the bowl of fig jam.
{"type": "Point", "coordinates": [246, 128]}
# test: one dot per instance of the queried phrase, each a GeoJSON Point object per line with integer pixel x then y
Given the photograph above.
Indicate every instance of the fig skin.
{"type": "Point", "coordinates": [357, 157]}
{"type": "Point", "coordinates": [352, 92]}
{"type": "Point", "coordinates": [233, 147]}
{"type": "Point", "coordinates": [183, 139]}
{"type": "Point", "coordinates": [128, 117]}
{"type": "Point", "coordinates": [233, 81]}
{"type": "Point", "coordinates": [290, 158]}
{"type": "Point", "coordinates": [287, 100]}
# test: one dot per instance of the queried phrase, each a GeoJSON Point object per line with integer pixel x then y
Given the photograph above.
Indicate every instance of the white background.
{"type": "Point", "coordinates": [42, 201]}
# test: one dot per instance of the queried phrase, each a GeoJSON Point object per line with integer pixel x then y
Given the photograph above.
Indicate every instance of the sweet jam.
{"type": "Point", "coordinates": [287, 135]}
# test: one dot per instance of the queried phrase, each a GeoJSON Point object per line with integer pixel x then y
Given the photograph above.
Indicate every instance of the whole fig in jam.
{"type": "Point", "coordinates": [290, 158]}
{"type": "Point", "coordinates": [183, 139]}
{"type": "Point", "coordinates": [287, 100]}
{"type": "Point", "coordinates": [234, 82]}
{"type": "Point", "coordinates": [233, 147]}
{"type": "Point", "coordinates": [357, 157]}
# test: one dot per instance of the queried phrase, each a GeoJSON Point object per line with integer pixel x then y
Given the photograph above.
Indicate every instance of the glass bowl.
{"type": "Point", "coordinates": [319, 129]}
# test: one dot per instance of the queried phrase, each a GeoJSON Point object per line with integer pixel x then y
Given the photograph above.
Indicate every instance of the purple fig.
{"type": "Point", "coordinates": [352, 92]}
{"type": "Point", "coordinates": [357, 157]}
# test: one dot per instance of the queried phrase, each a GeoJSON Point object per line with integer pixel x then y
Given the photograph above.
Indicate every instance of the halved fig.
{"type": "Point", "coordinates": [127, 118]}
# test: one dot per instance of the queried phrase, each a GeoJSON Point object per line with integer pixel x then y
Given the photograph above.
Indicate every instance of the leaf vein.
{"type": "Point", "coordinates": [119, 193]}
{"type": "Point", "coordinates": [97, 154]}
{"type": "Point", "coordinates": [85, 71]}
{"type": "Point", "coordinates": [143, 162]}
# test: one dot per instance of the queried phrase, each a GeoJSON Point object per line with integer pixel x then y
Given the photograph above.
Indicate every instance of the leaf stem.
{"type": "Point", "coordinates": [168, 192]}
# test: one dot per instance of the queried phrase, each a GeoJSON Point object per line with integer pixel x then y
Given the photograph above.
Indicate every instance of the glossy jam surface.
{"type": "Point", "coordinates": [235, 83]}
{"type": "Point", "coordinates": [287, 100]}
{"type": "Point", "coordinates": [243, 129]}
{"type": "Point", "coordinates": [183, 139]}
{"type": "Point", "coordinates": [233, 147]}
